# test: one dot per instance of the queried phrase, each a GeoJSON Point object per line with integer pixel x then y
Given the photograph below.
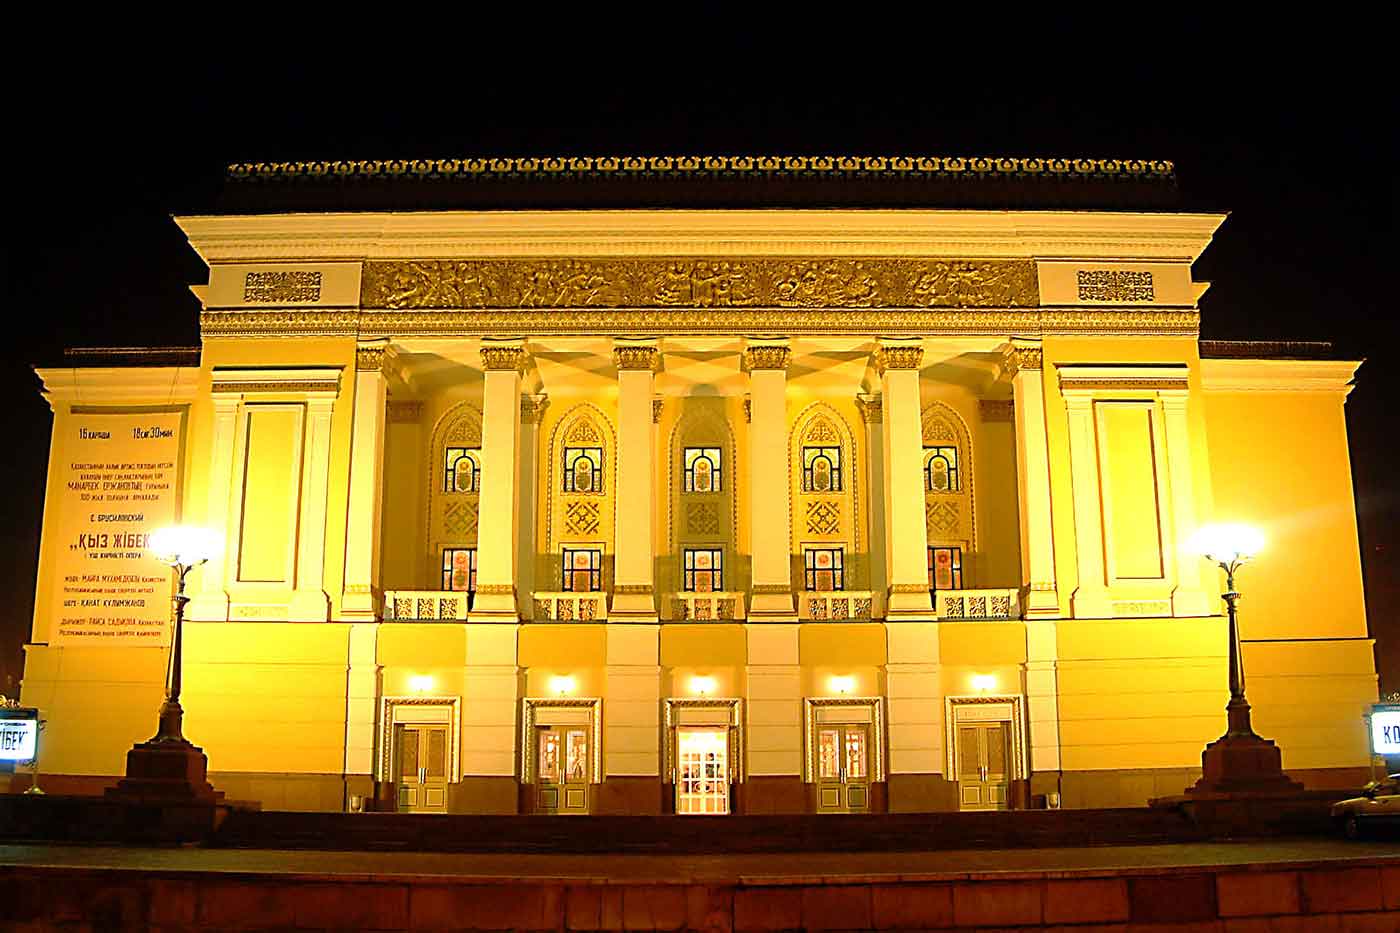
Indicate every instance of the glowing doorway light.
{"type": "Point", "coordinates": [842, 685]}
{"type": "Point", "coordinates": [562, 685]}
{"type": "Point", "coordinates": [702, 686]}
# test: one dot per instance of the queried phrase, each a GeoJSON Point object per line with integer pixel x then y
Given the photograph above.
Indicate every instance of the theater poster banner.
{"type": "Point", "coordinates": [120, 482]}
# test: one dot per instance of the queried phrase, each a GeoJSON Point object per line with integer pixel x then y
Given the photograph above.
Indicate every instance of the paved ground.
{"type": "Point", "coordinates": [796, 868]}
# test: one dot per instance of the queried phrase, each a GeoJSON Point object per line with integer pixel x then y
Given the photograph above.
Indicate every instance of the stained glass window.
{"type": "Point", "coordinates": [941, 469]}
{"type": "Point", "coordinates": [583, 469]}
{"type": "Point", "coordinates": [825, 568]}
{"type": "Point", "coordinates": [704, 570]}
{"type": "Point", "coordinates": [459, 569]}
{"type": "Point", "coordinates": [462, 470]}
{"type": "Point", "coordinates": [702, 469]}
{"type": "Point", "coordinates": [821, 469]}
{"type": "Point", "coordinates": [583, 570]}
{"type": "Point", "coordinates": [945, 568]}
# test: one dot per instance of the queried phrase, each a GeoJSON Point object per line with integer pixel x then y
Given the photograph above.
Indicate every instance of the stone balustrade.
{"type": "Point", "coordinates": [718, 606]}
{"type": "Point", "coordinates": [835, 605]}
{"type": "Point", "coordinates": [993, 605]}
{"type": "Point", "coordinates": [570, 606]}
{"type": "Point", "coordinates": [425, 606]}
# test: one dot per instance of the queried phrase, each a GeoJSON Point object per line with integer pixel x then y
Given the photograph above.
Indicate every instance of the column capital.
{"type": "Point", "coordinates": [872, 408]}
{"type": "Point", "coordinates": [532, 408]}
{"type": "Point", "coordinates": [767, 355]}
{"type": "Point", "coordinates": [898, 355]}
{"type": "Point", "coordinates": [503, 356]}
{"type": "Point", "coordinates": [369, 355]}
{"type": "Point", "coordinates": [631, 355]}
{"type": "Point", "coordinates": [1023, 354]}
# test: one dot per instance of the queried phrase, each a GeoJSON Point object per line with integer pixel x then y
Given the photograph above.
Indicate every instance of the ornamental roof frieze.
{"type": "Point", "coordinates": [785, 282]}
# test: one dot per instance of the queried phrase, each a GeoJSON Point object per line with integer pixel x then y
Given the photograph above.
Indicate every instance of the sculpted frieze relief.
{"type": "Point", "coordinates": [699, 283]}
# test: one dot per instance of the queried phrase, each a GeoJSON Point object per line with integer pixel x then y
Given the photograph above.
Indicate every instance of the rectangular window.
{"type": "Point", "coordinates": [459, 569]}
{"type": "Point", "coordinates": [821, 469]}
{"type": "Point", "coordinates": [583, 570]}
{"type": "Point", "coordinates": [583, 469]}
{"type": "Point", "coordinates": [941, 469]}
{"type": "Point", "coordinates": [704, 570]}
{"type": "Point", "coordinates": [702, 469]}
{"type": "Point", "coordinates": [944, 568]}
{"type": "Point", "coordinates": [461, 469]}
{"type": "Point", "coordinates": [825, 568]}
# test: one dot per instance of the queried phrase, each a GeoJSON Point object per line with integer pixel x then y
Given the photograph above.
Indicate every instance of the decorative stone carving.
{"type": "Point", "coordinates": [1113, 285]}
{"type": "Point", "coordinates": [701, 518]}
{"type": "Point", "coordinates": [898, 358]}
{"type": "Point", "coordinates": [821, 432]}
{"type": "Point", "coordinates": [632, 356]}
{"type": "Point", "coordinates": [278, 287]}
{"type": "Point", "coordinates": [823, 517]}
{"type": "Point", "coordinates": [942, 518]}
{"type": "Point", "coordinates": [369, 359]}
{"type": "Point", "coordinates": [459, 519]}
{"type": "Point", "coordinates": [656, 407]}
{"type": "Point", "coordinates": [406, 412]}
{"type": "Point", "coordinates": [748, 410]}
{"type": "Point", "coordinates": [1026, 357]}
{"type": "Point", "coordinates": [993, 409]}
{"type": "Point", "coordinates": [872, 408]}
{"type": "Point", "coordinates": [584, 433]}
{"type": "Point", "coordinates": [766, 357]}
{"type": "Point", "coordinates": [581, 517]}
{"type": "Point", "coordinates": [503, 357]}
{"type": "Point", "coordinates": [532, 408]}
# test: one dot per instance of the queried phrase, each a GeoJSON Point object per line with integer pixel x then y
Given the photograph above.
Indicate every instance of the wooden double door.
{"type": "Point", "coordinates": [563, 768]}
{"type": "Point", "coordinates": [843, 767]}
{"type": "Point", "coordinates": [984, 765]}
{"type": "Point", "coordinates": [421, 766]}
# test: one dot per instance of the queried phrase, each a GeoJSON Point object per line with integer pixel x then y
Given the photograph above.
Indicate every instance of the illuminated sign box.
{"type": "Point", "coordinates": [1385, 731]}
{"type": "Point", "coordinates": [19, 734]}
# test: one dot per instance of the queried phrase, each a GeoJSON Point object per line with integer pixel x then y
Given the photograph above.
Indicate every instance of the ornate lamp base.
{"type": "Point", "coordinates": [1242, 764]}
{"type": "Point", "coordinates": [165, 772]}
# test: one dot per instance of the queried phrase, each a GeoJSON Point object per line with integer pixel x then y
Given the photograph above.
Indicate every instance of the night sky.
{"type": "Point", "coordinates": [1290, 134]}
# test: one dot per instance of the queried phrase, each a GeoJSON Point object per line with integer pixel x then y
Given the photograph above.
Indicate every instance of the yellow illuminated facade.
{"type": "Point", "coordinates": [702, 511]}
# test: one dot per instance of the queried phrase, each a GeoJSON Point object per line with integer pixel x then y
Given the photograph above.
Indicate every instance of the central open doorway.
{"type": "Point", "coordinates": [704, 753]}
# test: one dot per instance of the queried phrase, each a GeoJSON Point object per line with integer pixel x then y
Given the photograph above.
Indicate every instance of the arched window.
{"type": "Point", "coordinates": [941, 469]}
{"type": "Point", "coordinates": [821, 469]}
{"type": "Point", "coordinates": [583, 469]}
{"type": "Point", "coordinates": [462, 470]}
{"type": "Point", "coordinates": [702, 469]}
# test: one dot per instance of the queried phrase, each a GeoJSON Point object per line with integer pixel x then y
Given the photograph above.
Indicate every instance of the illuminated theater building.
{"type": "Point", "coordinates": [700, 486]}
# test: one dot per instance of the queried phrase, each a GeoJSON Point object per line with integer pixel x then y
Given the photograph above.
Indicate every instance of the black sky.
{"type": "Point", "coordinates": [1291, 133]}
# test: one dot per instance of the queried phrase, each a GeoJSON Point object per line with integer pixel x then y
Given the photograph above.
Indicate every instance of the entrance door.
{"type": "Point", "coordinates": [564, 768]}
{"type": "Point", "coordinates": [702, 770]}
{"type": "Point", "coordinates": [421, 752]}
{"type": "Point", "coordinates": [983, 765]}
{"type": "Point", "coordinates": [843, 768]}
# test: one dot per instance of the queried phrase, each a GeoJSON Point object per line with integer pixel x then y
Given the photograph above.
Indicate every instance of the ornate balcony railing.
{"type": "Point", "coordinates": [717, 606]}
{"type": "Point", "coordinates": [425, 606]}
{"type": "Point", "coordinates": [835, 605]}
{"type": "Point", "coordinates": [571, 607]}
{"type": "Point", "coordinates": [975, 605]}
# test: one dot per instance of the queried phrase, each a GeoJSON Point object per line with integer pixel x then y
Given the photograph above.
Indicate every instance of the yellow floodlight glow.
{"type": "Point", "coordinates": [842, 685]}
{"type": "Point", "coordinates": [1227, 543]}
{"type": "Point", "coordinates": [702, 686]}
{"type": "Point", "coordinates": [984, 682]}
{"type": "Point", "coordinates": [183, 545]}
{"type": "Point", "coordinates": [421, 683]}
{"type": "Point", "coordinates": [562, 685]}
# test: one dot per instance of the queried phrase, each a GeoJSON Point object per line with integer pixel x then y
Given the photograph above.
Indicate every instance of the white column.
{"type": "Point", "coordinates": [496, 581]}
{"type": "Point", "coordinates": [1043, 694]}
{"type": "Point", "coordinates": [1033, 483]}
{"type": "Point", "coordinates": [632, 708]}
{"type": "Point", "coordinates": [361, 698]}
{"type": "Point", "coordinates": [1189, 597]}
{"type": "Point", "coordinates": [872, 412]}
{"type": "Point", "coordinates": [210, 604]}
{"type": "Point", "coordinates": [532, 409]}
{"type": "Point", "coordinates": [362, 590]}
{"type": "Point", "coordinates": [634, 596]}
{"type": "Point", "coordinates": [907, 548]}
{"type": "Point", "coordinates": [773, 700]}
{"type": "Point", "coordinates": [770, 536]}
{"type": "Point", "coordinates": [1090, 599]}
{"type": "Point", "coordinates": [914, 685]}
{"type": "Point", "coordinates": [309, 600]}
{"type": "Point", "coordinates": [490, 700]}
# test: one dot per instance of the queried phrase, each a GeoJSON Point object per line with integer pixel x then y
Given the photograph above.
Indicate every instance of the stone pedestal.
{"type": "Point", "coordinates": [1242, 764]}
{"type": "Point", "coordinates": [166, 772]}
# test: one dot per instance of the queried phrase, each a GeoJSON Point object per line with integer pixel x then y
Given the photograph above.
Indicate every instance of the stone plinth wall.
{"type": "Point", "coordinates": [1363, 895]}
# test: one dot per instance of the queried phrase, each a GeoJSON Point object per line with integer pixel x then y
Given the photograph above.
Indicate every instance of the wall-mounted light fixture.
{"type": "Point", "coordinates": [421, 683]}
{"type": "Point", "coordinates": [702, 686]}
{"type": "Point", "coordinates": [984, 683]}
{"type": "Point", "coordinates": [562, 685]}
{"type": "Point", "coordinates": [842, 685]}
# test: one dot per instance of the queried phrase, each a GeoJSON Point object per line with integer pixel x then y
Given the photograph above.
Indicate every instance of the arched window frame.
{"type": "Point", "coordinates": [452, 469]}
{"type": "Point", "coordinates": [810, 456]}
{"type": "Point", "coordinates": [948, 454]}
{"type": "Point", "coordinates": [690, 456]}
{"type": "Point", "coordinates": [573, 456]}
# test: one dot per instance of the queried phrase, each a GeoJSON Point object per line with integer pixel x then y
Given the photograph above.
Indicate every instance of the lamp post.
{"type": "Point", "coordinates": [183, 549]}
{"type": "Point", "coordinates": [1240, 761]}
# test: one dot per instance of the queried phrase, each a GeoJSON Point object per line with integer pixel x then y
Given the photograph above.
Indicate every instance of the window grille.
{"type": "Point", "coordinates": [459, 569]}
{"type": "Point", "coordinates": [944, 568]}
{"type": "Point", "coordinates": [941, 469]}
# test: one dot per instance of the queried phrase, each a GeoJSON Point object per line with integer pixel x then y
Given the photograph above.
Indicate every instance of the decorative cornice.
{"type": "Point", "coordinates": [532, 408]}
{"type": "Point", "coordinates": [767, 357]}
{"type": "Point", "coordinates": [893, 322]}
{"type": "Point", "coordinates": [872, 408]}
{"type": "Point", "coordinates": [1161, 377]}
{"type": "Point", "coordinates": [1245, 375]}
{"type": "Point", "coordinates": [510, 357]}
{"type": "Point", "coordinates": [321, 380]}
{"type": "Point", "coordinates": [1178, 385]}
{"type": "Point", "coordinates": [517, 169]}
{"type": "Point", "coordinates": [893, 357]}
{"type": "Point", "coordinates": [369, 359]}
{"type": "Point", "coordinates": [635, 356]}
{"type": "Point", "coordinates": [406, 412]}
{"type": "Point", "coordinates": [735, 282]}
{"type": "Point", "coordinates": [992, 409]}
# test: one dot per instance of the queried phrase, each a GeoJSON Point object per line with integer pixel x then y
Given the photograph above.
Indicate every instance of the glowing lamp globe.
{"type": "Point", "coordinates": [183, 545]}
{"type": "Point", "coordinates": [1227, 544]}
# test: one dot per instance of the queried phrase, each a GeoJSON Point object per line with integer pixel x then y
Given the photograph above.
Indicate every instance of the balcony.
{"type": "Point", "coordinates": [835, 605]}
{"type": "Point", "coordinates": [717, 606]}
{"type": "Point", "coordinates": [571, 607]}
{"type": "Point", "coordinates": [977, 605]}
{"type": "Point", "coordinates": [425, 606]}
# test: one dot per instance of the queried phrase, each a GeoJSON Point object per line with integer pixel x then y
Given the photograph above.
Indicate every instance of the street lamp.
{"type": "Point", "coordinates": [183, 548]}
{"type": "Point", "coordinates": [1230, 547]}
